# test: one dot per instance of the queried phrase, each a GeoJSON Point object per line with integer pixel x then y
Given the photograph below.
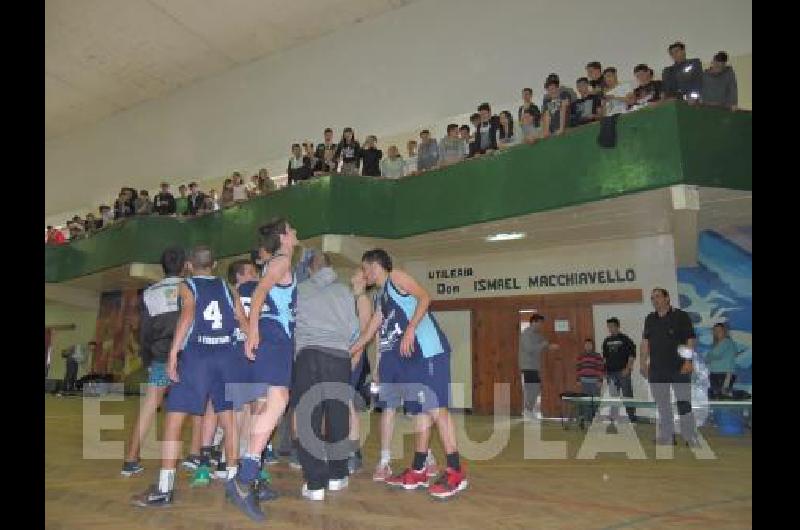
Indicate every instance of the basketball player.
{"type": "Point", "coordinates": [414, 368]}
{"type": "Point", "coordinates": [270, 344]}
{"type": "Point", "coordinates": [209, 314]}
{"type": "Point", "coordinates": [156, 333]}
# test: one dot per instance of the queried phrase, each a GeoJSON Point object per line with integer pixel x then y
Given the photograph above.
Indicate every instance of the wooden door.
{"type": "Point", "coordinates": [495, 339]}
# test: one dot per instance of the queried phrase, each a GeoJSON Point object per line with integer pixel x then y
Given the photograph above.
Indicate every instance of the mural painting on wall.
{"type": "Point", "coordinates": [117, 334]}
{"type": "Point", "coordinates": [720, 289]}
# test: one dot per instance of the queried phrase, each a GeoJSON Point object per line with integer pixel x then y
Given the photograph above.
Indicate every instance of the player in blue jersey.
{"type": "Point", "coordinates": [414, 369]}
{"type": "Point", "coordinates": [204, 333]}
{"type": "Point", "coordinates": [270, 345]}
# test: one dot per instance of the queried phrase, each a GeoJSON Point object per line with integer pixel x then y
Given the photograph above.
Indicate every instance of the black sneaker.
{"type": "Point", "coordinates": [191, 462]}
{"type": "Point", "coordinates": [131, 468]}
{"type": "Point", "coordinates": [354, 463]}
{"type": "Point", "coordinates": [152, 497]}
{"type": "Point", "coordinates": [264, 492]}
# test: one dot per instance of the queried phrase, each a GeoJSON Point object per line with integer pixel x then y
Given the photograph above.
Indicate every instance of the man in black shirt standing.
{"type": "Point", "coordinates": [196, 199]}
{"type": "Point", "coordinates": [619, 352]}
{"type": "Point", "coordinates": [684, 78]}
{"type": "Point", "coordinates": [667, 349]}
{"type": "Point", "coordinates": [164, 202]}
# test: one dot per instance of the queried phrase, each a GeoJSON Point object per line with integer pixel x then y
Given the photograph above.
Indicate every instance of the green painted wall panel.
{"type": "Point", "coordinates": [656, 147]}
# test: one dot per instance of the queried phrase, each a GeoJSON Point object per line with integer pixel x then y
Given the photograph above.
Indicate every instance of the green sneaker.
{"type": "Point", "coordinates": [202, 477]}
{"type": "Point", "coordinates": [265, 476]}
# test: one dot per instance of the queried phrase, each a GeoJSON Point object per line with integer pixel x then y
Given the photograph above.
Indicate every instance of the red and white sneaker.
{"type": "Point", "coordinates": [409, 479]}
{"type": "Point", "coordinates": [382, 472]}
{"type": "Point", "coordinates": [449, 483]}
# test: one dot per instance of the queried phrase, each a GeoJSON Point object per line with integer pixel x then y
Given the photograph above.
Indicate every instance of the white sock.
{"type": "Point", "coordinates": [217, 436]}
{"type": "Point", "coordinates": [430, 461]}
{"type": "Point", "coordinates": [166, 480]}
{"type": "Point", "coordinates": [386, 455]}
{"type": "Point", "coordinates": [232, 471]}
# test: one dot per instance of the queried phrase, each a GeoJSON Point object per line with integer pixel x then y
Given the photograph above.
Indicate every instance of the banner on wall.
{"type": "Point", "coordinates": [117, 334]}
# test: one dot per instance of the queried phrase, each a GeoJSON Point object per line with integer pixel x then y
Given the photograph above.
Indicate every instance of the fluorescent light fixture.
{"type": "Point", "coordinates": [506, 237]}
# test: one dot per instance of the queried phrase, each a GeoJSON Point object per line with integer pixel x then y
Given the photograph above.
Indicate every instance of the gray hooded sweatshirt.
{"type": "Point", "coordinates": [720, 88]}
{"type": "Point", "coordinates": [326, 314]}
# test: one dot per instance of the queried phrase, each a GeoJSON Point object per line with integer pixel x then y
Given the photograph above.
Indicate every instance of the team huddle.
{"type": "Point", "coordinates": [244, 355]}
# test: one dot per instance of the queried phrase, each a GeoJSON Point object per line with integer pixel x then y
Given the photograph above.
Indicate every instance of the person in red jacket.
{"type": "Point", "coordinates": [55, 236]}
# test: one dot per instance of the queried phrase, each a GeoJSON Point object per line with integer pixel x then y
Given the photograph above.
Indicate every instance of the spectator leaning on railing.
{"type": "Point", "coordinates": [615, 95]}
{"type": "Point", "coordinates": [586, 108]}
{"type": "Point", "coordinates": [594, 72]}
{"type": "Point", "coordinates": [299, 166]}
{"type": "Point", "coordinates": [648, 91]}
{"type": "Point", "coordinates": [427, 151]}
{"type": "Point", "coordinates": [196, 198]}
{"type": "Point", "coordinates": [164, 202]}
{"type": "Point", "coordinates": [555, 108]}
{"type": "Point", "coordinates": [371, 158]}
{"type": "Point", "coordinates": [393, 166]}
{"type": "Point", "coordinates": [143, 204]}
{"type": "Point", "coordinates": [719, 84]}
{"type": "Point", "coordinates": [684, 78]}
{"type": "Point", "coordinates": [181, 201]}
{"type": "Point", "coordinates": [451, 148]}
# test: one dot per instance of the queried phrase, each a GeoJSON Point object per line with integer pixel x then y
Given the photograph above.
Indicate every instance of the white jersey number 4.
{"type": "Point", "coordinates": [212, 313]}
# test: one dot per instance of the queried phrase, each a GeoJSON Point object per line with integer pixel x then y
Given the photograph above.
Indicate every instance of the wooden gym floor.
{"type": "Point", "coordinates": [507, 491]}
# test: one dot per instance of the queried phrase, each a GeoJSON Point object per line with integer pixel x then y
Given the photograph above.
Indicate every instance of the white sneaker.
{"type": "Point", "coordinates": [312, 495]}
{"type": "Point", "coordinates": [337, 484]}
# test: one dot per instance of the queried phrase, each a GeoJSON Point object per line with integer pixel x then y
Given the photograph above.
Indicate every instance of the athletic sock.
{"type": "Point", "coordinates": [453, 461]}
{"type": "Point", "coordinates": [249, 466]}
{"type": "Point", "coordinates": [205, 455]}
{"type": "Point", "coordinates": [419, 461]}
{"type": "Point", "coordinates": [386, 455]}
{"type": "Point", "coordinates": [166, 480]}
{"type": "Point", "coordinates": [232, 471]}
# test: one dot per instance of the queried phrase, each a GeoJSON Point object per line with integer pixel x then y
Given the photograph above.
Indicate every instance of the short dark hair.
{"type": "Point", "coordinates": [474, 116]}
{"type": "Point", "coordinates": [613, 320]}
{"type": "Point", "coordinates": [379, 256]}
{"type": "Point", "coordinates": [641, 68]}
{"type": "Point", "coordinates": [589, 340]}
{"type": "Point", "coordinates": [663, 291]}
{"type": "Point", "coordinates": [193, 184]}
{"type": "Point", "coordinates": [553, 76]}
{"type": "Point", "coordinates": [485, 106]}
{"type": "Point", "coordinates": [594, 64]}
{"type": "Point", "coordinates": [182, 186]}
{"type": "Point", "coordinates": [172, 260]}
{"type": "Point", "coordinates": [582, 80]}
{"type": "Point", "coordinates": [676, 44]}
{"type": "Point", "coordinates": [165, 184]}
{"type": "Point", "coordinates": [236, 268]}
{"type": "Point", "coordinates": [271, 234]}
{"type": "Point", "coordinates": [296, 145]}
{"type": "Point", "coordinates": [464, 128]}
{"type": "Point", "coordinates": [536, 317]}
{"type": "Point", "coordinates": [327, 130]}
{"type": "Point", "coordinates": [528, 90]}
{"type": "Point", "coordinates": [610, 69]}
{"type": "Point", "coordinates": [144, 192]}
{"type": "Point", "coordinates": [550, 81]}
{"type": "Point", "coordinates": [721, 57]}
{"type": "Point", "coordinates": [424, 131]}
{"type": "Point", "coordinates": [202, 257]}
{"type": "Point", "coordinates": [451, 127]}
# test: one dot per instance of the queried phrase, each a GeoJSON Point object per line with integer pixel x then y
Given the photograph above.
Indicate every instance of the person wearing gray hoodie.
{"type": "Point", "coordinates": [326, 325]}
{"type": "Point", "coordinates": [719, 84]}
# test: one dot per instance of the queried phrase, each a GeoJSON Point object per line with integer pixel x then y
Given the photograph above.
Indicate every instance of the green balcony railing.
{"type": "Point", "coordinates": [656, 147]}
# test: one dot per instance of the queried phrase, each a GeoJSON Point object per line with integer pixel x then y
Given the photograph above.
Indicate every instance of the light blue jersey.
{"type": "Point", "coordinates": [397, 310]}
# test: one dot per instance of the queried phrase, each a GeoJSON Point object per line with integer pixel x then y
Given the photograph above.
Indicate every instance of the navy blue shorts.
{"type": "Point", "coordinates": [274, 360]}
{"type": "Point", "coordinates": [420, 384]}
{"type": "Point", "coordinates": [203, 372]}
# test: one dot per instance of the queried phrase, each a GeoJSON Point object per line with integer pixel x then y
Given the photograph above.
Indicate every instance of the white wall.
{"type": "Point", "coordinates": [394, 73]}
{"type": "Point", "coordinates": [651, 258]}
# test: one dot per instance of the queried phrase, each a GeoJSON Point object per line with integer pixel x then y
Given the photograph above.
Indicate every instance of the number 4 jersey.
{"type": "Point", "coordinates": [214, 317]}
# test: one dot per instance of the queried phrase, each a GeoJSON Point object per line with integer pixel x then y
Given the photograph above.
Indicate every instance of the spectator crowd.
{"type": "Point", "coordinates": [596, 95]}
